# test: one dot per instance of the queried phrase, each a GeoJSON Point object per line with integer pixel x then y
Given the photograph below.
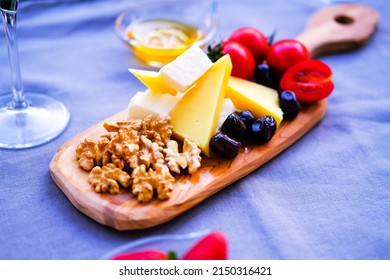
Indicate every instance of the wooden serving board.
{"type": "Point", "coordinates": [124, 212]}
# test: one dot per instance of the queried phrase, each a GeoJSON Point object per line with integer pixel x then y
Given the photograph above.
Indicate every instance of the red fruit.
{"type": "Point", "coordinates": [310, 80]}
{"type": "Point", "coordinates": [284, 54]}
{"type": "Point", "coordinates": [254, 40]}
{"type": "Point", "coordinates": [242, 58]}
{"type": "Point", "coordinates": [142, 255]}
{"type": "Point", "coordinates": [211, 247]}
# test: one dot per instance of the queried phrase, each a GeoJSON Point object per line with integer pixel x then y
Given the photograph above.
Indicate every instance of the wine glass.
{"type": "Point", "coordinates": [27, 119]}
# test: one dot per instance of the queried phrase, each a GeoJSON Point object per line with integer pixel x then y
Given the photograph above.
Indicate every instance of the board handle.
{"type": "Point", "coordinates": [339, 28]}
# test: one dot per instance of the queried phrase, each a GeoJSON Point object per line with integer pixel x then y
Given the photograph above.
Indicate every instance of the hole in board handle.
{"type": "Point", "coordinates": [344, 19]}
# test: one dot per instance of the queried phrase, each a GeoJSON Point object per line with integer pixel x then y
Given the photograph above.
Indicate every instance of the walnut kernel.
{"type": "Point", "coordinates": [106, 178]}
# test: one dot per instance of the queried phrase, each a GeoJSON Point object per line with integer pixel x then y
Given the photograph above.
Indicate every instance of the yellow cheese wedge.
{"type": "Point", "coordinates": [153, 81]}
{"type": "Point", "coordinates": [258, 99]}
{"type": "Point", "coordinates": [196, 115]}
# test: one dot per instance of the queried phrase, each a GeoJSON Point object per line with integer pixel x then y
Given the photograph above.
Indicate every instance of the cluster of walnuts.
{"type": "Point", "coordinates": [140, 154]}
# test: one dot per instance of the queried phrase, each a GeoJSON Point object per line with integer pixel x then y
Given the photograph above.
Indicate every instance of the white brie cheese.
{"type": "Point", "coordinates": [186, 69]}
{"type": "Point", "coordinates": [146, 103]}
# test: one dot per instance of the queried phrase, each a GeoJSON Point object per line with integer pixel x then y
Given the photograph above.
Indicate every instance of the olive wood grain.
{"type": "Point", "coordinates": [124, 212]}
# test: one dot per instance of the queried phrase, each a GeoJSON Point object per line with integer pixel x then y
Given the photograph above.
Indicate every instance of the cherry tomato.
{"type": "Point", "coordinates": [254, 40]}
{"type": "Point", "coordinates": [285, 53]}
{"type": "Point", "coordinates": [242, 59]}
{"type": "Point", "coordinates": [142, 255]}
{"type": "Point", "coordinates": [310, 80]}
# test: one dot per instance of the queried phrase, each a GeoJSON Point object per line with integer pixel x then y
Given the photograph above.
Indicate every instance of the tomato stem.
{"type": "Point", "coordinates": [271, 37]}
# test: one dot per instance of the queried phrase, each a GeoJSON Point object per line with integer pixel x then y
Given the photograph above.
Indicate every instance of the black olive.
{"type": "Point", "coordinates": [224, 146]}
{"type": "Point", "coordinates": [263, 129]}
{"type": "Point", "coordinates": [265, 76]}
{"type": "Point", "coordinates": [248, 119]}
{"type": "Point", "coordinates": [289, 104]}
{"type": "Point", "coordinates": [234, 127]}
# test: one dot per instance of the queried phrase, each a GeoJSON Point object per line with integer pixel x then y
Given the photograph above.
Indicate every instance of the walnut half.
{"type": "Point", "coordinates": [106, 178]}
{"type": "Point", "coordinates": [142, 183]}
{"type": "Point", "coordinates": [147, 182]}
{"type": "Point", "coordinates": [189, 157]}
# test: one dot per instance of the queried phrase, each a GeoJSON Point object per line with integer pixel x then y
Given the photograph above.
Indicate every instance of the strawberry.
{"type": "Point", "coordinates": [211, 247]}
{"type": "Point", "coordinates": [142, 255]}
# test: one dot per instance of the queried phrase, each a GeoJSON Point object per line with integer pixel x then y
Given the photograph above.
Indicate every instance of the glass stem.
{"type": "Point", "coordinates": [9, 19]}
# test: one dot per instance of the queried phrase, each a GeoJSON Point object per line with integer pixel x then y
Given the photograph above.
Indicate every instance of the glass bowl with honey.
{"type": "Point", "coordinates": [159, 31]}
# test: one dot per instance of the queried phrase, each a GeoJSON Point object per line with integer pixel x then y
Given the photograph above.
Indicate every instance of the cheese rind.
{"type": "Point", "coordinates": [196, 115]}
{"type": "Point", "coordinates": [258, 99]}
{"type": "Point", "coordinates": [186, 69]}
{"type": "Point", "coordinates": [146, 103]}
{"type": "Point", "coordinates": [153, 81]}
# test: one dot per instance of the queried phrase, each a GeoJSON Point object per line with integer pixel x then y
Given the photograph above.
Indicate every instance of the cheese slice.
{"type": "Point", "coordinates": [146, 103]}
{"type": "Point", "coordinates": [196, 115]}
{"type": "Point", "coordinates": [153, 81]}
{"type": "Point", "coordinates": [227, 108]}
{"type": "Point", "coordinates": [258, 99]}
{"type": "Point", "coordinates": [187, 68]}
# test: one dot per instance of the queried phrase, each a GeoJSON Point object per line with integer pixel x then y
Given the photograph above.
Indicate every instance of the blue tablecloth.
{"type": "Point", "coordinates": [326, 197]}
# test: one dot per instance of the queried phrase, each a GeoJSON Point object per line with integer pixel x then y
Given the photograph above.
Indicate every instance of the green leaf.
{"type": "Point", "coordinates": [172, 255]}
{"type": "Point", "coordinates": [271, 38]}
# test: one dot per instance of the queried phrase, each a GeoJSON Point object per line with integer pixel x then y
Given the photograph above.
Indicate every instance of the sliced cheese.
{"type": "Point", "coordinates": [146, 103]}
{"type": "Point", "coordinates": [196, 115]}
{"type": "Point", "coordinates": [186, 69]}
{"type": "Point", "coordinates": [258, 99]}
{"type": "Point", "coordinates": [227, 108]}
{"type": "Point", "coordinates": [153, 81]}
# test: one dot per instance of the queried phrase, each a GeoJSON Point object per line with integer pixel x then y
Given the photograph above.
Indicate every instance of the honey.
{"type": "Point", "coordinates": [159, 41]}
